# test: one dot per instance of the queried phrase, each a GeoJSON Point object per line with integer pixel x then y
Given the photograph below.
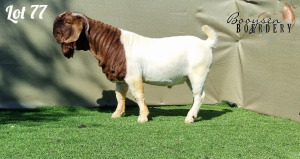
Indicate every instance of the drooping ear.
{"type": "Point", "coordinates": [76, 31]}
{"type": "Point", "coordinates": [85, 21]}
{"type": "Point", "coordinates": [77, 26]}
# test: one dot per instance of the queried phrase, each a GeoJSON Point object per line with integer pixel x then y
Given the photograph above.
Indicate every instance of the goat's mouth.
{"type": "Point", "coordinates": [59, 40]}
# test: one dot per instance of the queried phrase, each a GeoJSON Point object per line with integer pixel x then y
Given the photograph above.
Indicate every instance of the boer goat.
{"type": "Point", "coordinates": [129, 59]}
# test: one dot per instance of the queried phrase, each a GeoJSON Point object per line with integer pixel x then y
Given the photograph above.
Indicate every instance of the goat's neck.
{"type": "Point", "coordinates": [102, 38]}
{"type": "Point", "coordinates": [106, 46]}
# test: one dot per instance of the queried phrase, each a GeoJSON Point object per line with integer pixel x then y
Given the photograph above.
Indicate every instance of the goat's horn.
{"type": "Point", "coordinates": [62, 14]}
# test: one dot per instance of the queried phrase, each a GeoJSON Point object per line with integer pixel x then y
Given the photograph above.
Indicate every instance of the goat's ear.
{"type": "Point", "coordinates": [77, 27]}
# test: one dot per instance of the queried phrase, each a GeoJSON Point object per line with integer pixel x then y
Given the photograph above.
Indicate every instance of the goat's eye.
{"type": "Point", "coordinates": [68, 22]}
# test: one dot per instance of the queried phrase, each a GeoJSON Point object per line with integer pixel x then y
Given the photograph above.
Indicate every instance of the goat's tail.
{"type": "Point", "coordinates": [212, 36]}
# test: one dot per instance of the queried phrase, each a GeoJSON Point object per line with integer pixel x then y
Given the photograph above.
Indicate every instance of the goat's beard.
{"type": "Point", "coordinates": [68, 49]}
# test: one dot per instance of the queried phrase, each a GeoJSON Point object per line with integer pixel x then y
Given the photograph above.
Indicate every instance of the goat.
{"type": "Point", "coordinates": [129, 59]}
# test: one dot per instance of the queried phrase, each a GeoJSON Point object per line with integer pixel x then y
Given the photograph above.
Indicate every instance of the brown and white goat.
{"type": "Point", "coordinates": [129, 59]}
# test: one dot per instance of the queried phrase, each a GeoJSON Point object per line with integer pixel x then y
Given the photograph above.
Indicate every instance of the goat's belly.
{"type": "Point", "coordinates": [165, 81]}
{"type": "Point", "coordinates": [164, 73]}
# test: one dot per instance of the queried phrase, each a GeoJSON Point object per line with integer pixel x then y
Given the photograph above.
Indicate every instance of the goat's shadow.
{"type": "Point", "coordinates": [109, 100]}
{"type": "Point", "coordinates": [107, 104]}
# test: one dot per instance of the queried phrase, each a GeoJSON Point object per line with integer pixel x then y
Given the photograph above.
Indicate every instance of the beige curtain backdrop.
{"type": "Point", "coordinates": [257, 71]}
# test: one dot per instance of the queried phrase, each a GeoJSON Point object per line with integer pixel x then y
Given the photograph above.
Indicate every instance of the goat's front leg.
{"type": "Point", "coordinates": [137, 89]}
{"type": "Point", "coordinates": [121, 90]}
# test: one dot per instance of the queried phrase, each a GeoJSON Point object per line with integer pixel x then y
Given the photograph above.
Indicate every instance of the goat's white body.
{"type": "Point", "coordinates": [164, 61]}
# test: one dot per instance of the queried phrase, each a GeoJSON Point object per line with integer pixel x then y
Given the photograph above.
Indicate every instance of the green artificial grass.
{"type": "Point", "coordinates": [76, 132]}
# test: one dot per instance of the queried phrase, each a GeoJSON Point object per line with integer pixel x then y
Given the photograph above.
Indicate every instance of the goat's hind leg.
{"type": "Point", "coordinates": [196, 84]}
{"type": "Point", "coordinates": [193, 113]}
{"type": "Point", "coordinates": [121, 90]}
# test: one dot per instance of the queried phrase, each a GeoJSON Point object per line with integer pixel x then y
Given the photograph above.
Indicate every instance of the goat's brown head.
{"type": "Point", "coordinates": [68, 31]}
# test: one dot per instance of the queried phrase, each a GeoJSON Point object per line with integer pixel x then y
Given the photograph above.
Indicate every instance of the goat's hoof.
{"type": "Point", "coordinates": [142, 119]}
{"type": "Point", "coordinates": [116, 115]}
{"type": "Point", "coordinates": [189, 120]}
